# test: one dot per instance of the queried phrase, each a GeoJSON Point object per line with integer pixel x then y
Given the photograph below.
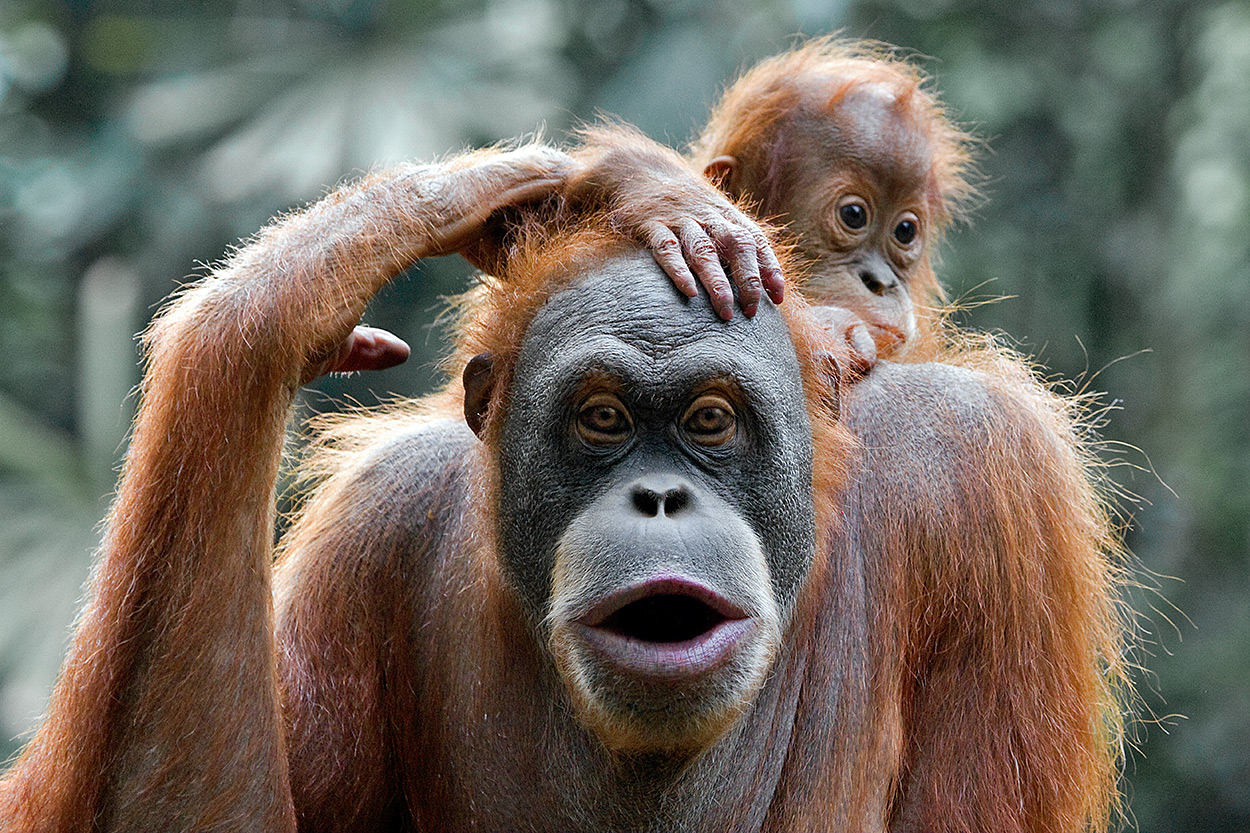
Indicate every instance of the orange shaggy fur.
{"type": "Point", "coordinates": [1001, 640]}
{"type": "Point", "coordinates": [953, 661]}
{"type": "Point", "coordinates": [748, 119]}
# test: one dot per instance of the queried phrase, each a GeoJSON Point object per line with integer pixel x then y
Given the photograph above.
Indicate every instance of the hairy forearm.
{"type": "Point", "coordinates": [166, 715]}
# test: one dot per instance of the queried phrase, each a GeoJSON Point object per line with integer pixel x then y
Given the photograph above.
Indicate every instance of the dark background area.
{"type": "Point", "coordinates": [137, 141]}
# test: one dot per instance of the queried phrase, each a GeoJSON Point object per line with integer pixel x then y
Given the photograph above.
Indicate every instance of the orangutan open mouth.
{"type": "Point", "coordinates": [668, 617]}
{"type": "Point", "coordinates": [667, 627]}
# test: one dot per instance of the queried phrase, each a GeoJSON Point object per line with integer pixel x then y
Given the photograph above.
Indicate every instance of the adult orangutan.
{"type": "Point", "coordinates": [841, 144]}
{"type": "Point", "coordinates": [627, 602]}
{"type": "Point", "coordinates": [167, 713]}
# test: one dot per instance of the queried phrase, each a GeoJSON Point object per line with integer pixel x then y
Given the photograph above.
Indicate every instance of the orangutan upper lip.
{"type": "Point", "coordinates": [676, 594]}
{"type": "Point", "coordinates": [666, 628]}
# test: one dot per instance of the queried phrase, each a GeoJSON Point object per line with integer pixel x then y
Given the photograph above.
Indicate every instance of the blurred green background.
{"type": "Point", "coordinates": [139, 139]}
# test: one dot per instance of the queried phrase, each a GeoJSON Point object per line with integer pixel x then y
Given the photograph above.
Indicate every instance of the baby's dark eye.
{"type": "Point", "coordinates": [905, 232]}
{"type": "Point", "coordinates": [853, 215]}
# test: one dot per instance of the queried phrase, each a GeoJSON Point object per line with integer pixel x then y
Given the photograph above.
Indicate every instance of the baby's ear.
{"type": "Point", "coordinates": [723, 173]}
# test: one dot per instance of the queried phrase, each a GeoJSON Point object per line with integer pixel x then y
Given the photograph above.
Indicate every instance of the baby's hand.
{"type": "Point", "coordinates": [864, 342]}
{"type": "Point", "coordinates": [651, 194]}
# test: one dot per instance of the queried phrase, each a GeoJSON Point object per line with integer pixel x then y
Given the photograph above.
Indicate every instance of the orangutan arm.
{"type": "Point", "coordinates": [166, 713]}
{"type": "Point", "coordinates": [651, 193]}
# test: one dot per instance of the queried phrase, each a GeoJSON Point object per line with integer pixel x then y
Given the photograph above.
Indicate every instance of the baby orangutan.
{"type": "Point", "coordinates": [840, 144]}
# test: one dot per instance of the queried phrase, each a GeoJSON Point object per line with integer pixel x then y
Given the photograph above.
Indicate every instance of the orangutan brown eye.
{"type": "Point", "coordinates": [905, 232]}
{"type": "Point", "coordinates": [603, 421]}
{"type": "Point", "coordinates": [709, 421]}
{"type": "Point", "coordinates": [854, 215]}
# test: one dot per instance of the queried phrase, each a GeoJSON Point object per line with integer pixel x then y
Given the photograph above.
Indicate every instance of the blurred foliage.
{"type": "Point", "coordinates": [138, 138]}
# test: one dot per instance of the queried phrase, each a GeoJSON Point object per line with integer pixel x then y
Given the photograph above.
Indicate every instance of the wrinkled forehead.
{"type": "Point", "coordinates": [629, 302]}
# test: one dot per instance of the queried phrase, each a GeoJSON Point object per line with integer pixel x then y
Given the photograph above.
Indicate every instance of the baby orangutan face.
{"type": "Point", "coordinates": [850, 175]}
{"type": "Point", "coordinates": [857, 200]}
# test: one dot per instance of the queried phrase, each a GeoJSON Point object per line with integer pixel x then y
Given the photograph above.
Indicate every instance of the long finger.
{"type": "Point", "coordinates": [771, 276]}
{"type": "Point", "coordinates": [863, 349]}
{"type": "Point", "coordinates": [738, 244]}
{"type": "Point", "coordinates": [666, 249]}
{"type": "Point", "coordinates": [772, 279]}
{"type": "Point", "coordinates": [366, 348]}
{"type": "Point", "coordinates": [373, 349]}
{"type": "Point", "coordinates": [704, 261]}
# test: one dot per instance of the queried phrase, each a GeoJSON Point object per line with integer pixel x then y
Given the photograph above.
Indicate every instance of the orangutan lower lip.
{"type": "Point", "coordinates": [666, 627]}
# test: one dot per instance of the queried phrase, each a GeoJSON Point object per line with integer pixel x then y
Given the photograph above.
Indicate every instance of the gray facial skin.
{"type": "Point", "coordinates": [719, 530]}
